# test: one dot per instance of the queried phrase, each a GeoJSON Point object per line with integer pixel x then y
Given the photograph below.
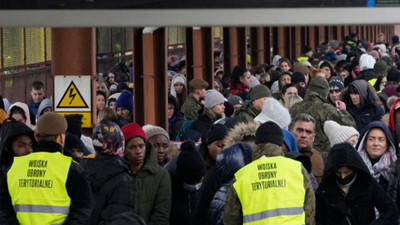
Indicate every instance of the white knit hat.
{"type": "Point", "coordinates": [178, 78]}
{"type": "Point", "coordinates": [338, 133]}
{"type": "Point", "coordinates": [274, 111]}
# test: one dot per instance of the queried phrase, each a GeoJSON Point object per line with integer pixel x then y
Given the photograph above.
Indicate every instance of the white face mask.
{"type": "Point", "coordinates": [381, 87]}
{"type": "Point", "coordinates": [192, 187]}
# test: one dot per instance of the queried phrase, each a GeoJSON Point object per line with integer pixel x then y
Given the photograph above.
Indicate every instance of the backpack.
{"type": "Point", "coordinates": [185, 127]}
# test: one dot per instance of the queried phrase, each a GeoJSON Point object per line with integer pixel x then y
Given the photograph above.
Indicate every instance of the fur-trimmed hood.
{"type": "Point", "coordinates": [241, 130]}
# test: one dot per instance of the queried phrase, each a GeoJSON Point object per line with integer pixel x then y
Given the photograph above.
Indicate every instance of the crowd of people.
{"type": "Point", "coordinates": [309, 140]}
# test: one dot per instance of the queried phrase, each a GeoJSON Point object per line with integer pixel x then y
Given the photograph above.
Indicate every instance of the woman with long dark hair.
{"type": "Point", "coordinates": [240, 82]}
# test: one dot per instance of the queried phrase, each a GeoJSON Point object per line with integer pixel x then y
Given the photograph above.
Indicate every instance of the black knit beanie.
{"type": "Point", "coordinates": [190, 167]}
{"type": "Point", "coordinates": [269, 132]}
{"type": "Point", "coordinates": [229, 110]}
{"type": "Point", "coordinates": [298, 77]}
{"type": "Point", "coordinates": [72, 141]}
{"type": "Point", "coordinates": [217, 132]}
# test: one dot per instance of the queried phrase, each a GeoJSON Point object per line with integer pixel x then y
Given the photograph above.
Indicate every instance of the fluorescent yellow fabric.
{"type": "Point", "coordinates": [372, 81]}
{"type": "Point", "coordinates": [36, 183]}
{"type": "Point", "coordinates": [271, 191]}
{"type": "Point", "coordinates": [302, 58]}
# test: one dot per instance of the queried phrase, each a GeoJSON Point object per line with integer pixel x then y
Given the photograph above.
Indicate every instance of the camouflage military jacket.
{"type": "Point", "coordinates": [317, 107]}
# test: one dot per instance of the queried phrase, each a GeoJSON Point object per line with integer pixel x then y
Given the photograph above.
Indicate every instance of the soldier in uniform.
{"type": "Point", "coordinates": [272, 189]}
{"type": "Point", "coordinates": [192, 105]}
{"type": "Point", "coordinates": [315, 104]}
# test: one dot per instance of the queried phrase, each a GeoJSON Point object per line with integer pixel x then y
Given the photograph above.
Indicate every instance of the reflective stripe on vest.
{"type": "Point", "coordinates": [36, 184]}
{"type": "Point", "coordinates": [271, 191]}
{"type": "Point", "coordinates": [41, 209]}
{"type": "Point", "coordinates": [273, 213]}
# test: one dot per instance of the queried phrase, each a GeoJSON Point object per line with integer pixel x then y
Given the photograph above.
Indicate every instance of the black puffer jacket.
{"type": "Point", "coordinates": [229, 161]}
{"type": "Point", "coordinates": [363, 196]}
{"type": "Point", "coordinates": [113, 187]}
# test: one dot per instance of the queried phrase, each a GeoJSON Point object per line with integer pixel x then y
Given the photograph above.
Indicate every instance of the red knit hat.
{"type": "Point", "coordinates": [133, 130]}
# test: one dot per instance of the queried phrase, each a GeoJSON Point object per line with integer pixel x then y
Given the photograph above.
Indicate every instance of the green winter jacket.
{"type": "Point", "coordinates": [191, 108]}
{"type": "Point", "coordinates": [153, 193]}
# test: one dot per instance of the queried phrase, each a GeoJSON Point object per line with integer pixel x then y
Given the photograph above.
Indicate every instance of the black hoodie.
{"type": "Point", "coordinates": [9, 131]}
{"type": "Point", "coordinates": [364, 194]}
{"type": "Point", "coordinates": [113, 187]}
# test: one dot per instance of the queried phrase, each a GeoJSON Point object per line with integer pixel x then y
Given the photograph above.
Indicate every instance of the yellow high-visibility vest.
{"type": "Point", "coordinates": [36, 183]}
{"type": "Point", "coordinates": [372, 81]}
{"type": "Point", "coordinates": [271, 191]}
{"type": "Point", "coordinates": [303, 58]}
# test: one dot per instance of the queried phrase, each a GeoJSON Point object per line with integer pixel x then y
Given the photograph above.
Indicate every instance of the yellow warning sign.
{"type": "Point", "coordinates": [86, 119]}
{"type": "Point", "coordinates": [72, 98]}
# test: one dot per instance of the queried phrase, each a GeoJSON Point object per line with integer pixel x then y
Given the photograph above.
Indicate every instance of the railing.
{"type": "Point", "coordinates": [17, 86]}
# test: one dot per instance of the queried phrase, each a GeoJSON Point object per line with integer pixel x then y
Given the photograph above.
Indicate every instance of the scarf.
{"type": "Point", "coordinates": [383, 167]}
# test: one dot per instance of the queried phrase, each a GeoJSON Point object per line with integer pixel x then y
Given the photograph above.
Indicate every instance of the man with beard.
{"type": "Point", "coordinates": [192, 105]}
{"type": "Point", "coordinates": [303, 129]}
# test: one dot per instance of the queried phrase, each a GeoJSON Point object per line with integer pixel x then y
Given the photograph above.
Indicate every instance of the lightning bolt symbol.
{"type": "Point", "coordinates": [72, 96]}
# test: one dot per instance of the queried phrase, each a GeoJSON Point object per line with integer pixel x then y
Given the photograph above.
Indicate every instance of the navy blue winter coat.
{"type": "Point", "coordinates": [229, 161]}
